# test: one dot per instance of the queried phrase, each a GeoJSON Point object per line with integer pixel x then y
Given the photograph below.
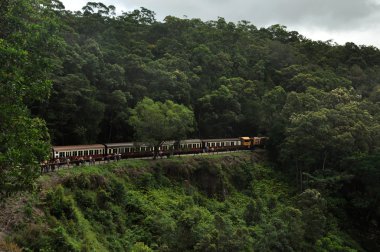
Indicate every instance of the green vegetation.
{"type": "Point", "coordinates": [93, 77]}
{"type": "Point", "coordinates": [221, 203]}
{"type": "Point", "coordinates": [155, 122]}
{"type": "Point", "coordinates": [27, 31]}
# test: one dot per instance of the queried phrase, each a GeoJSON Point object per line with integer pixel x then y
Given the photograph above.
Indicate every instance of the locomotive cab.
{"type": "Point", "coordinates": [245, 141]}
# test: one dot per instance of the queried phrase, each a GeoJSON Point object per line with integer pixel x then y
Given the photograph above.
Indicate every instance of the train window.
{"type": "Point", "coordinates": [96, 152]}
{"type": "Point", "coordinates": [75, 153]}
{"type": "Point", "coordinates": [217, 144]}
{"type": "Point", "coordinates": [222, 143]}
{"type": "Point", "coordinates": [91, 152]}
{"type": "Point", "coordinates": [232, 143]}
{"type": "Point", "coordinates": [61, 154]}
{"type": "Point", "coordinates": [86, 153]}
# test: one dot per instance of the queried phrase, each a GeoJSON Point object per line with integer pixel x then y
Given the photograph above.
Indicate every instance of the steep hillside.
{"type": "Point", "coordinates": [230, 202]}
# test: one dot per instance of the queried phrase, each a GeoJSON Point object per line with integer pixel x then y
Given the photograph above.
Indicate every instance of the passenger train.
{"type": "Point", "coordinates": [96, 152]}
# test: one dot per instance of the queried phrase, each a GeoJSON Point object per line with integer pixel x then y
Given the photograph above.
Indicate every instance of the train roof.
{"type": "Point", "coordinates": [220, 139]}
{"type": "Point", "coordinates": [113, 145]}
{"type": "Point", "coordinates": [170, 142]}
{"type": "Point", "coordinates": [78, 147]}
{"type": "Point", "coordinates": [191, 141]}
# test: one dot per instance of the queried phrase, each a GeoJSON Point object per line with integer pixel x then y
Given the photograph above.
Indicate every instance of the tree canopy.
{"type": "Point", "coordinates": [92, 76]}
{"type": "Point", "coordinates": [26, 41]}
{"type": "Point", "coordinates": [155, 122]}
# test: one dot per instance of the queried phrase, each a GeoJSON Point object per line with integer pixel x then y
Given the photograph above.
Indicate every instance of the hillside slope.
{"type": "Point", "coordinates": [230, 202]}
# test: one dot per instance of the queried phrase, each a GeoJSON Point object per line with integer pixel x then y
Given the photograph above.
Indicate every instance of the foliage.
{"type": "Point", "coordinates": [110, 209]}
{"type": "Point", "coordinates": [27, 31]}
{"type": "Point", "coordinates": [155, 122]}
{"type": "Point", "coordinates": [317, 101]}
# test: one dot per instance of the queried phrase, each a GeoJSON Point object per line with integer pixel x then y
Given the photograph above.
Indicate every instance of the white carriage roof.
{"type": "Point", "coordinates": [78, 147]}
{"type": "Point", "coordinates": [116, 145]}
{"type": "Point", "coordinates": [170, 142]}
{"type": "Point", "coordinates": [221, 140]}
{"type": "Point", "coordinates": [191, 141]}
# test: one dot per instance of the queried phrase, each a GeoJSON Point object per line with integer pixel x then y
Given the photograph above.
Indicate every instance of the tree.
{"type": "Point", "coordinates": [26, 42]}
{"type": "Point", "coordinates": [219, 113]}
{"type": "Point", "coordinates": [313, 207]}
{"type": "Point", "coordinates": [155, 122]}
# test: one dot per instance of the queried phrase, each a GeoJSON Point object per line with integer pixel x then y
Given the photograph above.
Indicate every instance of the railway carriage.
{"type": "Point", "coordinates": [119, 148]}
{"type": "Point", "coordinates": [140, 149]}
{"type": "Point", "coordinates": [72, 151]}
{"type": "Point", "coordinates": [167, 146]}
{"type": "Point", "coordinates": [222, 144]}
{"type": "Point", "coordinates": [129, 149]}
{"type": "Point", "coordinates": [189, 146]}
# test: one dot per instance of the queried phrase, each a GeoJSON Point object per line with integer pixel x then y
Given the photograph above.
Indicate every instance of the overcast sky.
{"type": "Point", "coordinates": [357, 21]}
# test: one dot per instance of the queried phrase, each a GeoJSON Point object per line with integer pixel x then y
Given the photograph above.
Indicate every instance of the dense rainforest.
{"type": "Point", "coordinates": [232, 202]}
{"type": "Point", "coordinates": [77, 77]}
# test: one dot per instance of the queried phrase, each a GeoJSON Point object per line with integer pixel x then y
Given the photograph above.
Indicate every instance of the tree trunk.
{"type": "Point", "coordinates": [301, 179]}
{"type": "Point", "coordinates": [324, 160]}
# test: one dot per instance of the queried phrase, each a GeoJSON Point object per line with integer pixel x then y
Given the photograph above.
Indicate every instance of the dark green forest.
{"type": "Point", "coordinates": [75, 78]}
{"type": "Point", "coordinates": [225, 203]}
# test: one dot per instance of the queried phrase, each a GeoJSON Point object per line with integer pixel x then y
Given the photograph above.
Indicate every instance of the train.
{"type": "Point", "coordinates": [77, 154]}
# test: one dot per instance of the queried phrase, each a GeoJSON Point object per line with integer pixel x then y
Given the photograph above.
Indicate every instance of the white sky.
{"type": "Point", "coordinates": [341, 21]}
